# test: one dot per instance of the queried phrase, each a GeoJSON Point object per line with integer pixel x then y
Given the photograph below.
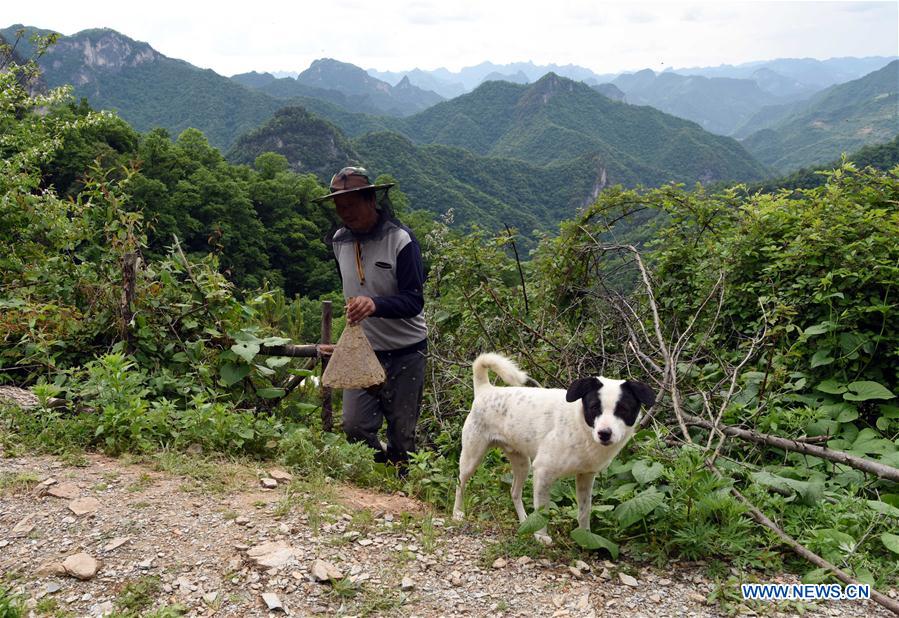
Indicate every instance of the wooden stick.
{"type": "Point", "coordinates": [808, 554]}
{"type": "Point", "coordinates": [866, 465]}
{"type": "Point", "coordinates": [327, 412]}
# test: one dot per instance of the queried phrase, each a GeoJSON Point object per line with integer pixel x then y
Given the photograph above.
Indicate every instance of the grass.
{"type": "Point", "coordinates": [209, 474]}
{"type": "Point", "coordinates": [144, 481]}
{"type": "Point", "coordinates": [138, 595]}
{"type": "Point", "coordinates": [11, 605]}
{"type": "Point", "coordinates": [15, 482]}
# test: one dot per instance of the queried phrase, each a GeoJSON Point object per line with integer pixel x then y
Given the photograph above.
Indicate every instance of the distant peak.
{"type": "Point", "coordinates": [404, 83]}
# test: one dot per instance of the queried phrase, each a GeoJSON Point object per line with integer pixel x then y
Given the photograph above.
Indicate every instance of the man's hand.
{"type": "Point", "coordinates": [358, 308]}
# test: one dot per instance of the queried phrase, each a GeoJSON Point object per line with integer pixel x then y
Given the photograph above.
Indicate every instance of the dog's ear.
{"type": "Point", "coordinates": [581, 387]}
{"type": "Point", "coordinates": [643, 393]}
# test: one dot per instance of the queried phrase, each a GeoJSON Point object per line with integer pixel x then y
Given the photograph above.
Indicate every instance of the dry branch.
{"type": "Point", "coordinates": [866, 465]}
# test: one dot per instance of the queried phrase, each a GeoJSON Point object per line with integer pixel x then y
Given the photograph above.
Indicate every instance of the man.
{"type": "Point", "coordinates": [380, 264]}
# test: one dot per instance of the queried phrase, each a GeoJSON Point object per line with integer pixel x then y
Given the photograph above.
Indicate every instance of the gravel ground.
{"type": "Point", "coordinates": [224, 546]}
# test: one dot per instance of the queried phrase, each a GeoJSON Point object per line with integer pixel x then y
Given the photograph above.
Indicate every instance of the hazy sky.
{"type": "Point", "coordinates": [395, 35]}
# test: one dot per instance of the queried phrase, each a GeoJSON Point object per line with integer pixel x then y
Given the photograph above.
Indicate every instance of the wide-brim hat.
{"type": "Point", "coordinates": [351, 179]}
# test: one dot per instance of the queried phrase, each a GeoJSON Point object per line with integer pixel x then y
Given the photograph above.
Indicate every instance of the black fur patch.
{"type": "Point", "coordinates": [632, 395]}
{"type": "Point", "coordinates": [586, 389]}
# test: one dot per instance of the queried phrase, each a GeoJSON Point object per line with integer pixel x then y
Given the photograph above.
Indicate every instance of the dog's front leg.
{"type": "Point", "coordinates": [542, 484]}
{"type": "Point", "coordinates": [584, 488]}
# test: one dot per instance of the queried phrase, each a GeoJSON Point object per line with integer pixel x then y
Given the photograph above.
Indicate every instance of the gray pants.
{"type": "Point", "coordinates": [398, 400]}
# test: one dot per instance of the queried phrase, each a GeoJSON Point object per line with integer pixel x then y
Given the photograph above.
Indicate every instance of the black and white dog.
{"type": "Point", "coordinates": [577, 432]}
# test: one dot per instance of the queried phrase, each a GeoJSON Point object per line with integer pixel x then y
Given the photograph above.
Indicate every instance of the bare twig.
{"type": "Point", "coordinates": [879, 469]}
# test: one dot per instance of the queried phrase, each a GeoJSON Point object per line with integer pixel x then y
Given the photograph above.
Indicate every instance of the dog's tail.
{"type": "Point", "coordinates": [502, 366]}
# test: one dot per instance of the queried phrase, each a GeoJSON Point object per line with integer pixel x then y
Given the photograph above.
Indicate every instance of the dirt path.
{"type": "Point", "coordinates": [208, 538]}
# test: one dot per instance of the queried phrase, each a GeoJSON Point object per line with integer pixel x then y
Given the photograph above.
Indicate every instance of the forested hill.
{"type": "Point", "coordinates": [148, 89]}
{"type": "Point", "coordinates": [842, 118]}
{"type": "Point", "coordinates": [557, 119]}
{"type": "Point", "coordinates": [346, 85]}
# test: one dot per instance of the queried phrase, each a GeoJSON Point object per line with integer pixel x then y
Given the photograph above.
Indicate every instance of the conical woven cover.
{"type": "Point", "coordinates": [353, 363]}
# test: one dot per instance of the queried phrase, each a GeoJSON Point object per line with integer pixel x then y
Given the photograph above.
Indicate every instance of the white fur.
{"type": "Point", "coordinates": [538, 426]}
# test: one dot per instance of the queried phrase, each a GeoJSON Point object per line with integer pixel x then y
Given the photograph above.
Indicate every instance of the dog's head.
{"type": "Point", "coordinates": [611, 407]}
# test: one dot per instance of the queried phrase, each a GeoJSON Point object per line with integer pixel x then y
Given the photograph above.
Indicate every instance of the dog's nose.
{"type": "Point", "coordinates": [604, 435]}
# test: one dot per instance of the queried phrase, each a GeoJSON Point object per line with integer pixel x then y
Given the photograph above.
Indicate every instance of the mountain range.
{"type": "Point", "coordinates": [524, 147]}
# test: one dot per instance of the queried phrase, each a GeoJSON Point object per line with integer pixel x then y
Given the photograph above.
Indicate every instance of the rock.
{"type": "Point", "coordinates": [655, 597]}
{"type": "Point", "coordinates": [582, 566]}
{"type": "Point", "coordinates": [664, 582]}
{"type": "Point", "coordinates": [605, 574]}
{"type": "Point", "coordinates": [116, 543]}
{"type": "Point", "coordinates": [575, 572]}
{"type": "Point", "coordinates": [583, 602]}
{"type": "Point", "coordinates": [456, 578]}
{"type": "Point", "coordinates": [82, 566]}
{"type": "Point", "coordinates": [210, 597]}
{"type": "Point", "coordinates": [280, 475]}
{"type": "Point", "coordinates": [365, 542]}
{"type": "Point", "coordinates": [3, 543]}
{"type": "Point", "coordinates": [523, 560]}
{"type": "Point", "coordinates": [49, 569]}
{"type": "Point", "coordinates": [272, 602]}
{"type": "Point", "coordinates": [106, 608]}
{"type": "Point", "coordinates": [268, 483]}
{"type": "Point", "coordinates": [273, 554]}
{"type": "Point", "coordinates": [499, 563]}
{"type": "Point", "coordinates": [323, 571]}
{"type": "Point", "coordinates": [407, 584]}
{"type": "Point", "coordinates": [627, 580]}
{"type": "Point", "coordinates": [184, 585]}
{"type": "Point", "coordinates": [242, 521]}
{"type": "Point", "coordinates": [83, 506]}
{"type": "Point", "coordinates": [69, 491]}
{"type": "Point", "coordinates": [25, 526]}
{"type": "Point", "coordinates": [53, 587]}
{"type": "Point", "coordinates": [146, 564]}
{"type": "Point", "coordinates": [696, 598]}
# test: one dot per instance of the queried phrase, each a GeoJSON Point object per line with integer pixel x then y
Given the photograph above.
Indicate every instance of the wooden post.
{"type": "Point", "coordinates": [126, 307]}
{"type": "Point", "coordinates": [327, 419]}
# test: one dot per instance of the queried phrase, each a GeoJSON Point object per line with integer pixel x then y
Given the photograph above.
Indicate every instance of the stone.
{"type": "Point", "coordinates": [116, 543]}
{"type": "Point", "coordinates": [575, 572]}
{"type": "Point", "coordinates": [499, 563]}
{"type": "Point", "coordinates": [365, 542]}
{"type": "Point", "coordinates": [241, 520]}
{"type": "Point", "coordinates": [628, 580]}
{"type": "Point", "coordinates": [664, 582]}
{"type": "Point", "coordinates": [696, 598]}
{"type": "Point", "coordinates": [146, 564]}
{"type": "Point", "coordinates": [582, 566]}
{"type": "Point", "coordinates": [323, 571]}
{"type": "Point", "coordinates": [655, 597]}
{"type": "Point", "coordinates": [69, 491]}
{"type": "Point", "coordinates": [280, 475]}
{"type": "Point", "coordinates": [106, 608]}
{"type": "Point", "coordinates": [268, 483]}
{"type": "Point", "coordinates": [82, 566]}
{"type": "Point", "coordinates": [523, 560]}
{"type": "Point", "coordinates": [53, 587]}
{"type": "Point", "coordinates": [49, 569]}
{"type": "Point", "coordinates": [273, 554]}
{"type": "Point", "coordinates": [605, 574]}
{"type": "Point", "coordinates": [583, 602]}
{"type": "Point", "coordinates": [84, 506]}
{"type": "Point", "coordinates": [272, 602]}
{"type": "Point", "coordinates": [210, 598]}
{"type": "Point", "coordinates": [407, 584]}
{"type": "Point", "coordinates": [25, 526]}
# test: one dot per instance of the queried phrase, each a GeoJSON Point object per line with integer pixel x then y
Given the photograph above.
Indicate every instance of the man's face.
{"type": "Point", "coordinates": [356, 210]}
